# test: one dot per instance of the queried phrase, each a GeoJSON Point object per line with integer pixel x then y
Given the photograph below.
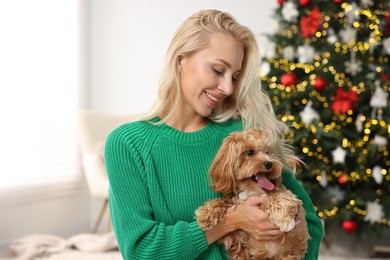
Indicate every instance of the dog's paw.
{"type": "Point", "coordinates": [286, 225]}
{"type": "Point", "coordinates": [282, 209]}
{"type": "Point", "coordinates": [205, 221]}
{"type": "Point", "coordinates": [210, 214]}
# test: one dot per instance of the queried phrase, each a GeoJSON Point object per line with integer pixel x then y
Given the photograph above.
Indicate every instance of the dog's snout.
{"type": "Point", "coordinates": [268, 165]}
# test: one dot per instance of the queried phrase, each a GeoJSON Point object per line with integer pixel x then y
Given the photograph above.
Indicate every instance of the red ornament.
{"type": "Point", "coordinates": [304, 2]}
{"type": "Point", "coordinates": [349, 226]}
{"type": "Point", "coordinates": [337, 1]}
{"type": "Point", "coordinates": [386, 29]}
{"type": "Point", "coordinates": [343, 179]}
{"type": "Point", "coordinates": [385, 77]}
{"type": "Point", "coordinates": [289, 79]}
{"type": "Point", "coordinates": [319, 83]}
{"type": "Point", "coordinates": [344, 101]}
{"type": "Point", "coordinates": [280, 2]}
{"type": "Point", "coordinates": [310, 24]}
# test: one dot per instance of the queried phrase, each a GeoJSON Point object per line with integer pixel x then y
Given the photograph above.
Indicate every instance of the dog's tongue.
{"type": "Point", "coordinates": [264, 182]}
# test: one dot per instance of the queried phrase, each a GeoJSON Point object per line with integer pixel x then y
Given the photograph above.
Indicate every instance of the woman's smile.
{"type": "Point", "coordinates": [213, 98]}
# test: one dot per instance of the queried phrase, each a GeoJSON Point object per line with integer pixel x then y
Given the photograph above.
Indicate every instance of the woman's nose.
{"type": "Point", "coordinates": [226, 86]}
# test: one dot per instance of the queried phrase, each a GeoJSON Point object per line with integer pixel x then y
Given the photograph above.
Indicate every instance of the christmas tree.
{"type": "Point", "coordinates": [326, 69]}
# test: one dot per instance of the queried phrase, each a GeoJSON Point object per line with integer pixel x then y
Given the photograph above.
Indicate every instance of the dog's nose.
{"type": "Point", "coordinates": [268, 165]}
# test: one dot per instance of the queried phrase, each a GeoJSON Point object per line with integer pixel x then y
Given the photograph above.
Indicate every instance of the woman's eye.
{"type": "Point", "coordinates": [235, 77]}
{"type": "Point", "coordinates": [220, 73]}
{"type": "Point", "coordinates": [250, 152]}
{"type": "Point", "coordinates": [217, 72]}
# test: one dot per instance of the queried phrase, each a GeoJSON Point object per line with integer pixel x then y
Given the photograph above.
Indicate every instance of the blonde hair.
{"type": "Point", "coordinates": [248, 102]}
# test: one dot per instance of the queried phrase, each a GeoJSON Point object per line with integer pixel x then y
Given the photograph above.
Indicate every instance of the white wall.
{"type": "Point", "coordinates": [129, 39]}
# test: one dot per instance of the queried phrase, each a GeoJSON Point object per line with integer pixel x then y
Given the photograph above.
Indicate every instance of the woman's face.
{"type": "Point", "coordinates": [209, 76]}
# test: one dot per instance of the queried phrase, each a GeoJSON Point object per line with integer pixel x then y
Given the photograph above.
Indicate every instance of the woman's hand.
{"type": "Point", "coordinates": [248, 217]}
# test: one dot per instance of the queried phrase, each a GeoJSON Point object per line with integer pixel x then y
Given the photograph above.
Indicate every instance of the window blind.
{"type": "Point", "coordinates": [39, 98]}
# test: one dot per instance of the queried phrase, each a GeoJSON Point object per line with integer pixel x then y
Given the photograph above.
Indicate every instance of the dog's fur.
{"type": "Point", "coordinates": [235, 173]}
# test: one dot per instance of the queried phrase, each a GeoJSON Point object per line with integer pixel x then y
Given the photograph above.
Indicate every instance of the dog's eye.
{"type": "Point", "coordinates": [250, 152]}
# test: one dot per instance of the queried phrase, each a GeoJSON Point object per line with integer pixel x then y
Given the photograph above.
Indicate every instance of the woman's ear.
{"type": "Point", "coordinates": [180, 62]}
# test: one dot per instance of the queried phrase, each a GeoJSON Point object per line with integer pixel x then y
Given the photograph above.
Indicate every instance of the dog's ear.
{"type": "Point", "coordinates": [223, 167]}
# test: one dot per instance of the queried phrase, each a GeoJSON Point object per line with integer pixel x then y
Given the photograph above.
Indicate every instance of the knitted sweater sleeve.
{"type": "Point", "coordinates": [313, 221]}
{"type": "Point", "coordinates": [138, 235]}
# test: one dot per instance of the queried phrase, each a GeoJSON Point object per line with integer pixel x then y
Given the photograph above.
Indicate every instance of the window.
{"type": "Point", "coordinates": [39, 68]}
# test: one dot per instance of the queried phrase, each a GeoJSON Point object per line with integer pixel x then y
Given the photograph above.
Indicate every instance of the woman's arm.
{"type": "Point", "coordinates": [313, 221]}
{"type": "Point", "coordinates": [138, 235]}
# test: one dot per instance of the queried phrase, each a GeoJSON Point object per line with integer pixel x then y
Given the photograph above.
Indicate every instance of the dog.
{"type": "Point", "coordinates": [247, 164]}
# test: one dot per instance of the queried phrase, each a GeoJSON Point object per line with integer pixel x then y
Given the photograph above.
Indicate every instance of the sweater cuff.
{"type": "Point", "coordinates": [198, 238]}
{"type": "Point", "coordinates": [314, 243]}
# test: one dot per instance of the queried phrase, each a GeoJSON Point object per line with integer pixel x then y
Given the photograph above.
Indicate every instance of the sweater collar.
{"type": "Point", "coordinates": [188, 137]}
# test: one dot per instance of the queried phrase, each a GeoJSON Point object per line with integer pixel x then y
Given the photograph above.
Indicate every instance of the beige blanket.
{"type": "Point", "coordinates": [40, 245]}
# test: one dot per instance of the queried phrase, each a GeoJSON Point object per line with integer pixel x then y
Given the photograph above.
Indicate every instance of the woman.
{"type": "Point", "coordinates": [157, 167]}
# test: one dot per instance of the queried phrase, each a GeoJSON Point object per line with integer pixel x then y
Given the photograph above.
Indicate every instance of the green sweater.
{"type": "Point", "coordinates": [158, 177]}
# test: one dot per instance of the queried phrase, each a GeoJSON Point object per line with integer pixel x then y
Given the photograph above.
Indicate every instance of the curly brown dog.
{"type": "Point", "coordinates": [246, 165]}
